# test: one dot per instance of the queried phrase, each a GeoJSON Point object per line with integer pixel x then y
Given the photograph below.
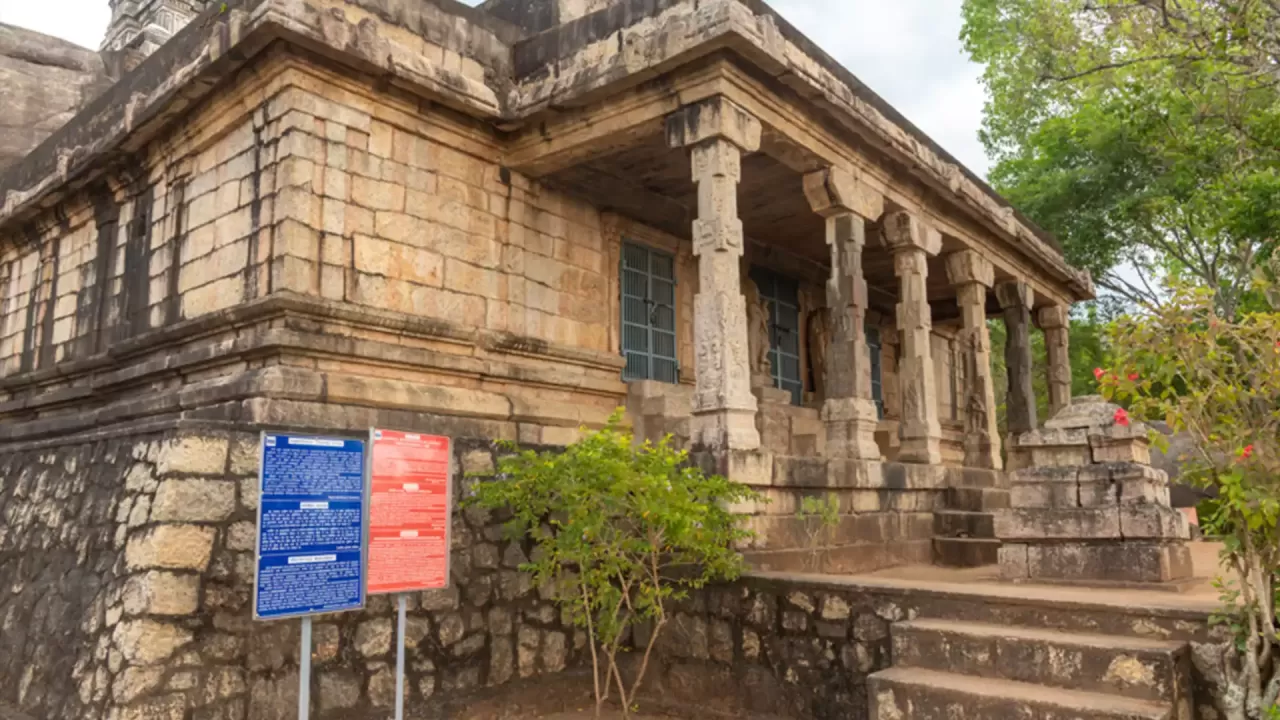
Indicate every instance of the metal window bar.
{"type": "Point", "coordinates": [648, 315]}
{"type": "Point", "coordinates": [783, 296]}
{"type": "Point", "coordinates": [874, 348]}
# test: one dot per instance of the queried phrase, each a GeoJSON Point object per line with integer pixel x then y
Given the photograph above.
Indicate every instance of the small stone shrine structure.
{"type": "Point", "coordinates": [1087, 507]}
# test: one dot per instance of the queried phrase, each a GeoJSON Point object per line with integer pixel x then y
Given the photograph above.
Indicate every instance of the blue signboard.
{"type": "Point", "coordinates": [311, 527]}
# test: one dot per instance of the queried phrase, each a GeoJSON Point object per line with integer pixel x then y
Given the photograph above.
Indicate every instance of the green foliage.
{"type": "Point", "coordinates": [1217, 379]}
{"type": "Point", "coordinates": [1143, 134]}
{"type": "Point", "coordinates": [821, 516]}
{"type": "Point", "coordinates": [619, 531]}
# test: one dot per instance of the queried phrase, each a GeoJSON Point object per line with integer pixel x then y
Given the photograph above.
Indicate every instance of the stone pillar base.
{"type": "Point", "coordinates": [922, 450]}
{"type": "Point", "coordinates": [726, 429]}
{"type": "Point", "coordinates": [851, 428]}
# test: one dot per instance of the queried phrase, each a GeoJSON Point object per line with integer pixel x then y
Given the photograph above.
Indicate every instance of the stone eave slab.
{"type": "Point", "coordinates": [382, 37]}
{"type": "Point", "coordinates": [636, 40]}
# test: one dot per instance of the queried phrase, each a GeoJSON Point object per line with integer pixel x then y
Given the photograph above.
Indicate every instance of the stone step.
{"type": "Point", "coordinates": [919, 694]}
{"type": "Point", "coordinates": [1134, 668]}
{"type": "Point", "coordinates": [977, 499]}
{"type": "Point", "coordinates": [965, 552]}
{"type": "Point", "coordinates": [961, 524]}
{"type": "Point", "coordinates": [1072, 610]}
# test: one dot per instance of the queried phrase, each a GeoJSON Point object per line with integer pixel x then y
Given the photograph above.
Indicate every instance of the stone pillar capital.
{"type": "Point", "coordinates": [1015, 295]}
{"type": "Point", "coordinates": [1053, 317]}
{"type": "Point", "coordinates": [716, 118]}
{"type": "Point", "coordinates": [904, 231]}
{"type": "Point", "coordinates": [837, 191]}
{"type": "Point", "coordinates": [967, 267]}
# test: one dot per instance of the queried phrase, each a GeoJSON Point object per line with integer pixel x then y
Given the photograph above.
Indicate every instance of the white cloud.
{"type": "Point", "coordinates": [908, 51]}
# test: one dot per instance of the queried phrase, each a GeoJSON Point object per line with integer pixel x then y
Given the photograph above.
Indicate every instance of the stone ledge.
{"type": "Point", "coordinates": [162, 353]}
{"type": "Point", "coordinates": [277, 383]}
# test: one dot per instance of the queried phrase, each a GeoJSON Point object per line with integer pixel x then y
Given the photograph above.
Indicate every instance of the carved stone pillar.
{"type": "Point", "coordinates": [848, 411]}
{"type": "Point", "coordinates": [718, 132]}
{"type": "Point", "coordinates": [912, 243]}
{"type": "Point", "coordinates": [1016, 299]}
{"type": "Point", "coordinates": [1055, 321]}
{"type": "Point", "coordinates": [973, 276]}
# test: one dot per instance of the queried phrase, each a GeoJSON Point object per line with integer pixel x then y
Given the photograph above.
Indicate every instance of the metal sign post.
{"type": "Point", "coordinates": [304, 672]}
{"type": "Point", "coordinates": [410, 522]}
{"type": "Point", "coordinates": [311, 535]}
{"type": "Point", "coordinates": [400, 660]}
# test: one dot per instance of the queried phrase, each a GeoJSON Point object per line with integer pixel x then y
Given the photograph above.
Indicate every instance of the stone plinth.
{"type": "Point", "coordinates": [1087, 507]}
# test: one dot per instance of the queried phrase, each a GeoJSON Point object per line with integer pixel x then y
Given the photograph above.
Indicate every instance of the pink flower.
{"type": "Point", "coordinates": [1098, 373]}
{"type": "Point", "coordinates": [1133, 377]}
{"type": "Point", "coordinates": [1247, 452]}
{"type": "Point", "coordinates": [1122, 417]}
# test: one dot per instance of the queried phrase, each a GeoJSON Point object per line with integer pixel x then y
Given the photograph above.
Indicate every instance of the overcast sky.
{"type": "Point", "coordinates": [908, 51]}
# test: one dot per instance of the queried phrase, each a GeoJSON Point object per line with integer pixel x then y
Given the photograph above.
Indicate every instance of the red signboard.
{"type": "Point", "coordinates": [409, 512]}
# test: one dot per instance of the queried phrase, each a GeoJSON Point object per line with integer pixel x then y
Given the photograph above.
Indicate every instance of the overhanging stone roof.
{"type": "Point", "coordinates": [515, 74]}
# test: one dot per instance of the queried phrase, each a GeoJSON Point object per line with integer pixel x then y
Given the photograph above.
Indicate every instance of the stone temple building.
{"type": "Point", "coordinates": [502, 223]}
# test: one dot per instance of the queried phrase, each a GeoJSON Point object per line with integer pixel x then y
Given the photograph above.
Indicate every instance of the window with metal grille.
{"type": "Point", "coordinates": [877, 378]}
{"type": "Point", "coordinates": [782, 295]}
{"type": "Point", "coordinates": [649, 315]}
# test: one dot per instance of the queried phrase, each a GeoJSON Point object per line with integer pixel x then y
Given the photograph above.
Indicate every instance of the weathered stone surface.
{"type": "Point", "coordinates": [193, 455]}
{"type": "Point", "coordinates": [1058, 523]}
{"type": "Point", "coordinates": [177, 547]}
{"type": "Point", "coordinates": [46, 81]}
{"type": "Point", "coordinates": [338, 690]}
{"type": "Point", "coordinates": [161, 593]}
{"type": "Point", "coordinates": [147, 642]}
{"type": "Point", "coordinates": [194, 500]}
{"type": "Point", "coordinates": [373, 637]}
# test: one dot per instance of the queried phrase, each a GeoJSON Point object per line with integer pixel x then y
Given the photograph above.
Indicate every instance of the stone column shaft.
{"type": "Point", "coordinates": [848, 410]}
{"type": "Point", "coordinates": [1055, 320]}
{"type": "Point", "coordinates": [724, 408]}
{"type": "Point", "coordinates": [1016, 299]}
{"type": "Point", "coordinates": [912, 243]}
{"type": "Point", "coordinates": [973, 275]}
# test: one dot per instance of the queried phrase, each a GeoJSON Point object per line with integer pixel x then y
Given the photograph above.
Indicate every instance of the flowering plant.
{"type": "Point", "coordinates": [1217, 379]}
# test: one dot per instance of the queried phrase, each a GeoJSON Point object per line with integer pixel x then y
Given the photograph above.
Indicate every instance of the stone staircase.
{"type": "Point", "coordinates": [964, 530]}
{"type": "Point", "coordinates": [984, 669]}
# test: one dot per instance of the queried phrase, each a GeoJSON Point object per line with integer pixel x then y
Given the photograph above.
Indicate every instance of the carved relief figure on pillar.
{"type": "Point", "coordinates": [819, 329]}
{"type": "Point", "coordinates": [758, 340]}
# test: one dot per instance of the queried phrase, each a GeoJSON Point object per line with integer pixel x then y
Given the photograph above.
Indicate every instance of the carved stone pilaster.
{"type": "Point", "coordinates": [912, 243]}
{"type": "Point", "coordinates": [718, 132]}
{"type": "Point", "coordinates": [1055, 321]}
{"type": "Point", "coordinates": [973, 275]}
{"type": "Point", "coordinates": [1016, 299]}
{"type": "Point", "coordinates": [848, 410]}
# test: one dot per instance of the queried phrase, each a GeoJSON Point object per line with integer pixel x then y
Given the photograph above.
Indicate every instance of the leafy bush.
{"type": "Point", "coordinates": [1217, 379]}
{"type": "Point", "coordinates": [620, 530]}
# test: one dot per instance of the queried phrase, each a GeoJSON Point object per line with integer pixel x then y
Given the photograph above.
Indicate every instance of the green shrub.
{"type": "Point", "coordinates": [619, 530]}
